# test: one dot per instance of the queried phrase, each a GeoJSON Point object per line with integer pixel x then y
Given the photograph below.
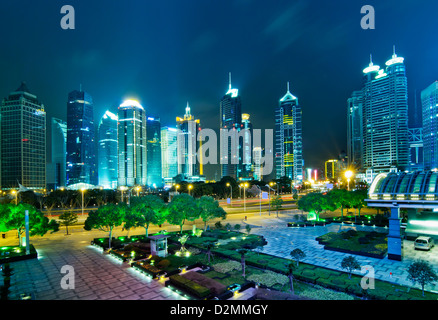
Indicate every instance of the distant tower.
{"type": "Point", "coordinates": [188, 145]}
{"type": "Point", "coordinates": [230, 119]}
{"type": "Point", "coordinates": [153, 147]}
{"type": "Point", "coordinates": [59, 151]}
{"type": "Point", "coordinates": [131, 136]}
{"type": "Point", "coordinates": [81, 149]}
{"type": "Point", "coordinates": [107, 151]}
{"type": "Point", "coordinates": [288, 138]}
{"type": "Point", "coordinates": [169, 152]}
{"type": "Point", "coordinates": [355, 130]}
{"type": "Point", "coordinates": [23, 141]}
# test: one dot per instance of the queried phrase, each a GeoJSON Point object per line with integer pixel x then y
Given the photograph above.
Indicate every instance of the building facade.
{"type": "Point", "coordinates": [107, 151]}
{"type": "Point", "coordinates": [187, 145]}
{"type": "Point", "coordinates": [169, 152]}
{"type": "Point", "coordinates": [81, 143]}
{"type": "Point", "coordinates": [354, 130]}
{"type": "Point", "coordinates": [131, 137]}
{"type": "Point", "coordinates": [288, 139]}
{"type": "Point", "coordinates": [23, 141]}
{"type": "Point", "coordinates": [153, 147]}
{"type": "Point", "coordinates": [59, 151]}
{"type": "Point", "coordinates": [385, 117]}
{"type": "Point", "coordinates": [429, 102]}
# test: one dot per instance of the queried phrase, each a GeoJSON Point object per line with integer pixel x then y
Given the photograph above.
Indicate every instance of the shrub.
{"type": "Point", "coordinates": [190, 286]}
{"type": "Point", "coordinates": [163, 264]}
{"type": "Point", "coordinates": [269, 278]}
{"type": "Point", "coordinates": [218, 225]}
{"type": "Point", "coordinates": [225, 267]}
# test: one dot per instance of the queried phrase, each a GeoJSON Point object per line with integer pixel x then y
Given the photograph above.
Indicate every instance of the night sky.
{"type": "Point", "coordinates": [165, 53]}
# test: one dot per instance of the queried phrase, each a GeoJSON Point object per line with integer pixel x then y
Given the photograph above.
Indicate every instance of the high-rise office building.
{"type": "Point", "coordinates": [131, 136]}
{"type": "Point", "coordinates": [59, 151]}
{"type": "Point", "coordinates": [23, 141]}
{"type": "Point", "coordinates": [429, 101]}
{"type": "Point", "coordinates": [107, 151]}
{"type": "Point", "coordinates": [188, 145]}
{"type": "Point", "coordinates": [385, 116]}
{"type": "Point", "coordinates": [81, 143]}
{"type": "Point", "coordinates": [231, 119]}
{"type": "Point", "coordinates": [354, 130]}
{"type": "Point", "coordinates": [169, 152]}
{"type": "Point", "coordinates": [153, 147]}
{"type": "Point", "coordinates": [257, 164]}
{"type": "Point", "coordinates": [288, 139]}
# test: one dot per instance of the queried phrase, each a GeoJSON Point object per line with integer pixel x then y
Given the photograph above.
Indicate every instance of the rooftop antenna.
{"type": "Point", "coordinates": [229, 75]}
{"type": "Point", "coordinates": [288, 86]}
{"type": "Point", "coordinates": [80, 87]}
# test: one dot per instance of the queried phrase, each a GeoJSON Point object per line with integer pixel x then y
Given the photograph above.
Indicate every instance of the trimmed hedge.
{"type": "Point", "coordinates": [189, 286]}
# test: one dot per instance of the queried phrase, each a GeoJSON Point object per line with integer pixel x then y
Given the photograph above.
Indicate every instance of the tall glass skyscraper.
{"type": "Point", "coordinates": [354, 130]}
{"type": "Point", "coordinates": [230, 119]}
{"type": "Point", "coordinates": [23, 141]}
{"type": "Point", "coordinates": [385, 116]}
{"type": "Point", "coordinates": [188, 127]}
{"type": "Point", "coordinates": [153, 147]}
{"type": "Point", "coordinates": [289, 139]}
{"type": "Point", "coordinates": [131, 136]}
{"type": "Point", "coordinates": [81, 148]}
{"type": "Point", "coordinates": [429, 101]}
{"type": "Point", "coordinates": [59, 151]}
{"type": "Point", "coordinates": [244, 170]}
{"type": "Point", "coordinates": [107, 151]}
{"type": "Point", "coordinates": [169, 152]}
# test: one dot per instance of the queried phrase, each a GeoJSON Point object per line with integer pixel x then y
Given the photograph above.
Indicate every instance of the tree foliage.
{"type": "Point", "coordinates": [182, 207]}
{"type": "Point", "coordinates": [145, 211]}
{"type": "Point", "coordinates": [421, 271]}
{"type": "Point", "coordinates": [209, 209]}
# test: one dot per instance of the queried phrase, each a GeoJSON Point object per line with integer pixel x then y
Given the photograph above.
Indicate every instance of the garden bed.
{"type": "Point", "coordinates": [16, 253]}
{"type": "Point", "coordinates": [369, 244]}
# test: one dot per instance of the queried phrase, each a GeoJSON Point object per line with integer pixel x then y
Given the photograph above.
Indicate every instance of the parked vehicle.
{"type": "Point", "coordinates": [424, 243]}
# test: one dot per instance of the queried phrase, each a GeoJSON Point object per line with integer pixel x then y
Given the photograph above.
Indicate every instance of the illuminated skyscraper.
{"type": "Point", "coordinates": [231, 119]}
{"type": "Point", "coordinates": [354, 130]}
{"type": "Point", "coordinates": [288, 139]}
{"type": "Point", "coordinates": [245, 165]}
{"type": "Point", "coordinates": [385, 116]}
{"type": "Point", "coordinates": [429, 101]}
{"type": "Point", "coordinates": [153, 147]}
{"type": "Point", "coordinates": [23, 141]}
{"type": "Point", "coordinates": [131, 136]}
{"type": "Point", "coordinates": [107, 151]}
{"type": "Point", "coordinates": [169, 152]}
{"type": "Point", "coordinates": [81, 149]}
{"type": "Point", "coordinates": [59, 151]}
{"type": "Point", "coordinates": [257, 157]}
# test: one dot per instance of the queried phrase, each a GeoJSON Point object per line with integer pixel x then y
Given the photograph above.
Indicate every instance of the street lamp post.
{"type": "Point", "coordinates": [245, 185]}
{"type": "Point", "coordinates": [190, 188]}
{"type": "Point", "coordinates": [138, 190]}
{"type": "Point", "coordinates": [177, 187]}
{"type": "Point", "coordinates": [15, 193]}
{"type": "Point", "coordinates": [82, 191]}
{"type": "Point", "coordinates": [231, 198]}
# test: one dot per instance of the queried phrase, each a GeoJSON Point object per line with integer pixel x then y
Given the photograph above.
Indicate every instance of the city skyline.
{"type": "Point", "coordinates": [283, 42]}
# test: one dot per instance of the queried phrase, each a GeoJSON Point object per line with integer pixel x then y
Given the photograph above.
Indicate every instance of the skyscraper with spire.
{"type": "Point", "coordinates": [187, 145]}
{"type": "Point", "coordinates": [230, 119]}
{"type": "Point", "coordinates": [385, 116]}
{"type": "Point", "coordinates": [288, 139]}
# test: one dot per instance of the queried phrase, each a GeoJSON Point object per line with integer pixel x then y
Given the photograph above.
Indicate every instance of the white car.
{"type": "Point", "coordinates": [424, 243]}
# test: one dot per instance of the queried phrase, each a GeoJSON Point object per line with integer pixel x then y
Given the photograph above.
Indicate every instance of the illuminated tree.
{"type": "Point", "coordinates": [13, 218]}
{"type": "Point", "coordinates": [145, 211]}
{"type": "Point", "coordinates": [182, 207]}
{"type": "Point", "coordinates": [106, 218]}
{"type": "Point", "coordinates": [209, 209]}
{"type": "Point", "coordinates": [68, 218]}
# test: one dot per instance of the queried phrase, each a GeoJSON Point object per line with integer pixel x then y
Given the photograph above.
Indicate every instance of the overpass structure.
{"type": "Point", "coordinates": [414, 191]}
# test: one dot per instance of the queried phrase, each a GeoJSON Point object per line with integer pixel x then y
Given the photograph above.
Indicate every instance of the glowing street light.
{"type": "Point", "coordinates": [15, 193]}
{"type": "Point", "coordinates": [177, 187]}
{"type": "Point", "coordinates": [190, 188]}
{"type": "Point", "coordinates": [138, 188]}
{"type": "Point", "coordinates": [348, 175]}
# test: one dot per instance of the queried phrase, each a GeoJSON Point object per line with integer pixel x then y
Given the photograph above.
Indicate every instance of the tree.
{"type": "Point", "coordinates": [183, 239]}
{"type": "Point", "coordinates": [209, 209]}
{"type": "Point", "coordinates": [297, 254]}
{"type": "Point", "coordinates": [248, 229]}
{"type": "Point", "coordinates": [209, 245]}
{"type": "Point", "coordinates": [313, 202]}
{"type": "Point", "coordinates": [144, 211]}
{"type": "Point", "coordinates": [341, 198]}
{"type": "Point", "coordinates": [13, 218]}
{"type": "Point", "coordinates": [350, 263]}
{"type": "Point", "coordinates": [182, 207]}
{"type": "Point", "coordinates": [68, 218]}
{"type": "Point", "coordinates": [242, 259]}
{"type": "Point", "coordinates": [277, 202]}
{"type": "Point", "coordinates": [358, 199]}
{"type": "Point", "coordinates": [421, 271]}
{"type": "Point", "coordinates": [106, 218]}
{"type": "Point", "coordinates": [290, 274]}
